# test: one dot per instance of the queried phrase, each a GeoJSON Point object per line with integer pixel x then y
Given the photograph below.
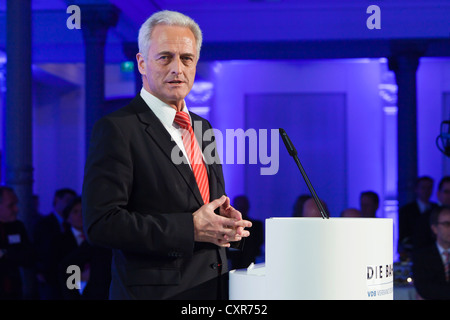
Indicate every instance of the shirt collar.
{"type": "Point", "coordinates": [441, 250]}
{"type": "Point", "coordinates": [164, 112]}
{"type": "Point", "coordinates": [76, 232]}
{"type": "Point", "coordinates": [422, 206]}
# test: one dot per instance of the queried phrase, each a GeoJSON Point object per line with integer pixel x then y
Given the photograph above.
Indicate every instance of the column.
{"type": "Point", "coordinates": [17, 169]}
{"type": "Point", "coordinates": [405, 66]}
{"type": "Point", "coordinates": [95, 23]}
{"type": "Point", "coordinates": [17, 144]}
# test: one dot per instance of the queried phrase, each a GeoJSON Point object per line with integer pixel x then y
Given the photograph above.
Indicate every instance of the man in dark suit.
{"type": "Point", "coordinates": [409, 215]}
{"type": "Point", "coordinates": [167, 236]}
{"type": "Point", "coordinates": [15, 247]}
{"type": "Point", "coordinates": [423, 235]}
{"type": "Point", "coordinates": [71, 249]}
{"type": "Point", "coordinates": [431, 265]}
{"type": "Point", "coordinates": [44, 231]}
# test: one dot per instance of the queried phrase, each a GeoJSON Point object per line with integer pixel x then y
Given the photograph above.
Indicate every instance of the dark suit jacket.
{"type": "Point", "coordinates": [45, 229]}
{"type": "Point", "coordinates": [429, 274]}
{"type": "Point", "coordinates": [414, 227]}
{"type": "Point", "coordinates": [59, 247]}
{"type": "Point", "coordinates": [18, 253]}
{"type": "Point", "coordinates": [139, 203]}
{"type": "Point", "coordinates": [98, 261]}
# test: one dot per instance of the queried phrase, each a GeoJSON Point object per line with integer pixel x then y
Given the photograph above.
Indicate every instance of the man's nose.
{"type": "Point", "coordinates": [176, 66]}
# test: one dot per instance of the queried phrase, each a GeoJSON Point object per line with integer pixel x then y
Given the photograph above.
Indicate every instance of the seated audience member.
{"type": "Point", "coordinates": [369, 203]}
{"type": "Point", "coordinates": [409, 214]}
{"type": "Point", "coordinates": [15, 247]}
{"type": "Point", "coordinates": [423, 235]}
{"type": "Point", "coordinates": [431, 264]}
{"type": "Point", "coordinates": [298, 205]}
{"type": "Point", "coordinates": [45, 230]}
{"type": "Point", "coordinates": [310, 208]}
{"type": "Point", "coordinates": [93, 262]}
{"type": "Point", "coordinates": [251, 249]}
{"type": "Point", "coordinates": [351, 213]}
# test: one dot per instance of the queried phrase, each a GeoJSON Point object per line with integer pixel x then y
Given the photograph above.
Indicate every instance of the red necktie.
{"type": "Point", "coordinates": [194, 154]}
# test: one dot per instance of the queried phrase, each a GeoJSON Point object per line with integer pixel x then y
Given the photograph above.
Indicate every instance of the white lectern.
{"type": "Point", "coordinates": [315, 258]}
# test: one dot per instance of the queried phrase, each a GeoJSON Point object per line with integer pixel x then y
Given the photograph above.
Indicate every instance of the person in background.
{"type": "Point", "coordinates": [252, 246]}
{"type": "Point", "coordinates": [44, 231]}
{"type": "Point", "coordinates": [410, 213]}
{"type": "Point", "coordinates": [310, 208]}
{"type": "Point", "coordinates": [423, 234]}
{"type": "Point", "coordinates": [72, 249]}
{"type": "Point", "coordinates": [298, 205]}
{"type": "Point", "coordinates": [431, 264]}
{"type": "Point", "coordinates": [16, 250]}
{"type": "Point", "coordinates": [351, 213]}
{"type": "Point", "coordinates": [443, 192]}
{"type": "Point", "coordinates": [369, 203]}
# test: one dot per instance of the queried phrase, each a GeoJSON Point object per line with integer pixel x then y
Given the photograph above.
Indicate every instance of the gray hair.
{"type": "Point", "coordinates": [171, 18]}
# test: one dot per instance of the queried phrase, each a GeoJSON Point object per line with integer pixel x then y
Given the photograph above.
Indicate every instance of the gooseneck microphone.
{"type": "Point", "coordinates": [293, 153]}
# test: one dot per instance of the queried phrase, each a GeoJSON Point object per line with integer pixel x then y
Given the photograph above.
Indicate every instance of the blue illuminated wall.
{"type": "Point", "coordinates": [346, 101]}
{"type": "Point", "coordinates": [366, 149]}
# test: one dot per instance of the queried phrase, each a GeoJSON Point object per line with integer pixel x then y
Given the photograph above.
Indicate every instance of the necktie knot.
{"type": "Point", "coordinates": [182, 119]}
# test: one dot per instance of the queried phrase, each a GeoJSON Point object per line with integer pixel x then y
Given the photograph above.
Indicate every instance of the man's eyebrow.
{"type": "Point", "coordinates": [169, 53]}
{"type": "Point", "coordinates": [164, 53]}
{"type": "Point", "coordinates": [187, 54]}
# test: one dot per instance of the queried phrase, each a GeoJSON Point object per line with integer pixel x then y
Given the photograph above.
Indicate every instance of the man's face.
{"type": "Point", "coordinates": [444, 194]}
{"type": "Point", "coordinates": [60, 204]}
{"type": "Point", "coordinates": [8, 207]}
{"type": "Point", "coordinates": [442, 229]}
{"type": "Point", "coordinates": [75, 217]}
{"type": "Point", "coordinates": [368, 206]}
{"type": "Point", "coordinates": [169, 71]}
{"type": "Point", "coordinates": [424, 190]}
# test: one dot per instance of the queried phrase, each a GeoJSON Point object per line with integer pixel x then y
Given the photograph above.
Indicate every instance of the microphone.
{"type": "Point", "coordinates": [293, 153]}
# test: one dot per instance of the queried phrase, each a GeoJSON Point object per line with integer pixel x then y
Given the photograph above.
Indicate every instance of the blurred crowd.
{"type": "Point", "coordinates": [53, 261]}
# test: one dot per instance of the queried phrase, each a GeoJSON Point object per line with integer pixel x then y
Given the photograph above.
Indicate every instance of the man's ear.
{"type": "Point", "coordinates": [140, 63]}
{"type": "Point", "coordinates": [434, 229]}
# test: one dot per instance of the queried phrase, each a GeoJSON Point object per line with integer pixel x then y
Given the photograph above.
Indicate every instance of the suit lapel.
{"type": "Point", "coordinates": [162, 138]}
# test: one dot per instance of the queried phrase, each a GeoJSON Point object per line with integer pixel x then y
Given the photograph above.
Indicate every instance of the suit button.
{"type": "Point", "coordinates": [215, 265]}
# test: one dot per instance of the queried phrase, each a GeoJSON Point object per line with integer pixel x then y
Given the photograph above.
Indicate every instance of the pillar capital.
{"type": "Point", "coordinates": [405, 55]}
{"type": "Point", "coordinates": [96, 19]}
{"type": "Point", "coordinates": [404, 63]}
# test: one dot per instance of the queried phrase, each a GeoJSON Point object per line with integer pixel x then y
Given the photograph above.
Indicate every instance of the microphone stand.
{"type": "Point", "coordinates": [293, 152]}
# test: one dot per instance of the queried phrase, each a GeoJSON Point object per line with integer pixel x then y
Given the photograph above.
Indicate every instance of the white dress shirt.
{"type": "Point", "coordinates": [166, 114]}
{"type": "Point", "coordinates": [78, 235]}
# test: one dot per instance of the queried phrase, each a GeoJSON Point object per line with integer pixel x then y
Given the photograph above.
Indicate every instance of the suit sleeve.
{"type": "Point", "coordinates": [107, 185]}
